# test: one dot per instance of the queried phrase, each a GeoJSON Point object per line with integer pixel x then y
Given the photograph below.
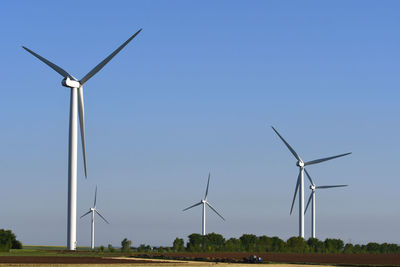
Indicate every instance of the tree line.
{"type": "Point", "coordinates": [251, 243]}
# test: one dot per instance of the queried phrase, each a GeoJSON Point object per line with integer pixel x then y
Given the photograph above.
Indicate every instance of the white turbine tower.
{"type": "Point", "coordinates": [300, 180]}
{"type": "Point", "coordinates": [76, 105]}
{"type": "Point", "coordinates": [313, 188]}
{"type": "Point", "coordinates": [204, 202]}
{"type": "Point", "coordinates": [93, 211]}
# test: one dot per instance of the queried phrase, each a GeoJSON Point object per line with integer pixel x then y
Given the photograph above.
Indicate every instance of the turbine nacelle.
{"type": "Point", "coordinates": [68, 82]}
{"type": "Point", "coordinates": [313, 187]}
{"type": "Point", "coordinates": [300, 164]}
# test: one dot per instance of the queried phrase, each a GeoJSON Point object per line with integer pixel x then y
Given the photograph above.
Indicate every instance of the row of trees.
{"type": "Point", "coordinates": [252, 243]}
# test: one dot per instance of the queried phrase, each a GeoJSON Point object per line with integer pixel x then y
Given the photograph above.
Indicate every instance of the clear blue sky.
{"type": "Point", "coordinates": [195, 92]}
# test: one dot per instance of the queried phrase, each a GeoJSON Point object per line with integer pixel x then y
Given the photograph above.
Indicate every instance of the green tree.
{"type": "Point", "coordinates": [264, 244]}
{"type": "Point", "coordinates": [195, 243]}
{"type": "Point", "coordinates": [110, 248]}
{"type": "Point", "coordinates": [333, 245]}
{"type": "Point", "coordinates": [249, 242]}
{"type": "Point", "coordinates": [8, 240]}
{"type": "Point", "coordinates": [126, 245]}
{"type": "Point", "coordinates": [348, 248]}
{"type": "Point", "coordinates": [278, 245]}
{"type": "Point", "coordinates": [178, 245]}
{"type": "Point", "coordinates": [315, 245]}
{"type": "Point", "coordinates": [373, 247]}
{"type": "Point", "coordinates": [214, 242]}
{"type": "Point", "coordinates": [232, 245]}
{"type": "Point", "coordinates": [296, 244]}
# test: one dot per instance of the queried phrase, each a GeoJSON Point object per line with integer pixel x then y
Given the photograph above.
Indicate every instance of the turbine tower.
{"type": "Point", "coordinates": [300, 180]}
{"type": "Point", "coordinates": [76, 105]}
{"type": "Point", "coordinates": [93, 211]}
{"type": "Point", "coordinates": [313, 188]}
{"type": "Point", "coordinates": [205, 202]}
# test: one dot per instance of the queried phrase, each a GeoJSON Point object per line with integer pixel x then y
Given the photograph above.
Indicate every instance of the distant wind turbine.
{"type": "Point", "coordinates": [300, 180]}
{"type": "Point", "coordinates": [76, 105]}
{"type": "Point", "coordinates": [204, 202]}
{"type": "Point", "coordinates": [93, 211]}
{"type": "Point", "coordinates": [313, 188]}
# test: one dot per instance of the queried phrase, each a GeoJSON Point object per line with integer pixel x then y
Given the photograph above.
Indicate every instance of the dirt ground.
{"type": "Point", "coordinates": [337, 259]}
{"type": "Point", "coordinates": [220, 259]}
{"type": "Point", "coordinates": [113, 262]}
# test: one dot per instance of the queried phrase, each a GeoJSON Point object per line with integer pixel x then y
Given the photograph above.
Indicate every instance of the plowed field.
{"type": "Point", "coordinates": [352, 259]}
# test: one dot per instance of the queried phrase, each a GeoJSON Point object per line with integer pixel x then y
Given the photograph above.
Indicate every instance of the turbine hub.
{"type": "Point", "coordinates": [67, 82]}
{"type": "Point", "coordinates": [300, 164]}
{"type": "Point", "coordinates": [312, 187]}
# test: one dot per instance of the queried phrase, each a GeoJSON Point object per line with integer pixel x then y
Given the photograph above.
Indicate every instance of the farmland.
{"type": "Point", "coordinates": [56, 255]}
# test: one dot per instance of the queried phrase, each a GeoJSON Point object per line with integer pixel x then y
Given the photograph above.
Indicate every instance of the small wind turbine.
{"type": "Point", "coordinates": [93, 211]}
{"type": "Point", "coordinates": [313, 188]}
{"type": "Point", "coordinates": [300, 180]}
{"type": "Point", "coordinates": [76, 105]}
{"type": "Point", "coordinates": [204, 202]}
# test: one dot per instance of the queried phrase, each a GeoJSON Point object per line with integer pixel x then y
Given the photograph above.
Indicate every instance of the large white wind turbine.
{"type": "Point", "coordinates": [300, 180]}
{"type": "Point", "coordinates": [204, 202]}
{"type": "Point", "coordinates": [76, 105]}
{"type": "Point", "coordinates": [313, 188]}
{"type": "Point", "coordinates": [93, 211]}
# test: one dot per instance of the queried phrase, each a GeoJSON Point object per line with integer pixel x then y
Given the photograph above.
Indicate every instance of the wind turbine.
{"type": "Point", "coordinates": [313, 188]}
{"type": "Point", "coordinates": [93, 211]}
{"type": "Point", "coordinates": [204, 202]}
{"type": "Point", "coordinates": [300, 180]}
{"type": "Point", "coordinates": [76, 105]}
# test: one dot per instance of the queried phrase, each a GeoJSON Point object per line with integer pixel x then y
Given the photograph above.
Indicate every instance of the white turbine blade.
{"type": "Point", "coordinates": [308, 202]}
{"type": "Point", "coordinates": [331, 186]}
{"type": "Point", "coordinates": [325, 159]}
{"type": "Point", "coordinates": [105, 61]}
{"type": "Point", "coordinates": [288, 146]}
{"type": "Point", "coordinates": [86, 213]}
{"type": "Point", "coordinates": [295, 192]}
{"type": "Point", "coordinates": [98, 213]}
{"type": "Point", "coordinates": [193, 206]}
{"type": "Point", "coordinates": [95, 197]}
{"type": "Point", "coordinates": [81, 111]}
{"type": "Point", "coordinates": [215, 211]}
{"type": "Point", "coordinates": [208, 182]}
{"type": "Point", "coordinates": [50, 64]}
{"type": "Point", "coordinates": [309, 177]}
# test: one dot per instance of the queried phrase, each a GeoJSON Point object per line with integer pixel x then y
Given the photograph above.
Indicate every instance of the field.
{"type": "Point", "coordinates": [56, 256]}
{"type": "Point", "coordinates": [335, 259]}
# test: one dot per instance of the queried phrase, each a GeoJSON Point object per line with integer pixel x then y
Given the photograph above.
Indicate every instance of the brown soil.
{"type": "Point", "coordinates": [349, 259]}
{"type": "Point", "coordinates": [69, 260]}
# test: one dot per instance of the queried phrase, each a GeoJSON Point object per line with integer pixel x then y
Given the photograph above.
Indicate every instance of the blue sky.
{"type": "Point", "coordinates": [197, 91]}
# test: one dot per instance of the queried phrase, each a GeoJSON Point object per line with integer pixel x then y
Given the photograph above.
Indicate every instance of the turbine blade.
{"type": "Point", "coordinates": [86, 213]}
{"type": "Point", "coordinates": [325, 159]}
{"type": "Point", "coordinates": [308, 202]}
{"type": "Point", "coordinates": [81, 111]}
{"type": "Point", "coordinates": [288, 146]}
{"type": "Point", "coordinates": [331, 186]}
{"type": "Point", "coordinates": [295, 192]}
{"type": "Point", "coordinates": [105, 61]}
{"type": "Point", "coordinates": [50, 64]}
{"type": "Point", "coordinates": [193, 206]}
{"type": "Point", "coordinates": [309, 177]}
{"type": "Point", "coordinates": [211, 207]}
{"type": "Point", "coordinates": [98, 213]}
{"type": "Point", "coordinates": [95, 197]}
{"type": "Point", "coordinates": [208, 182]}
